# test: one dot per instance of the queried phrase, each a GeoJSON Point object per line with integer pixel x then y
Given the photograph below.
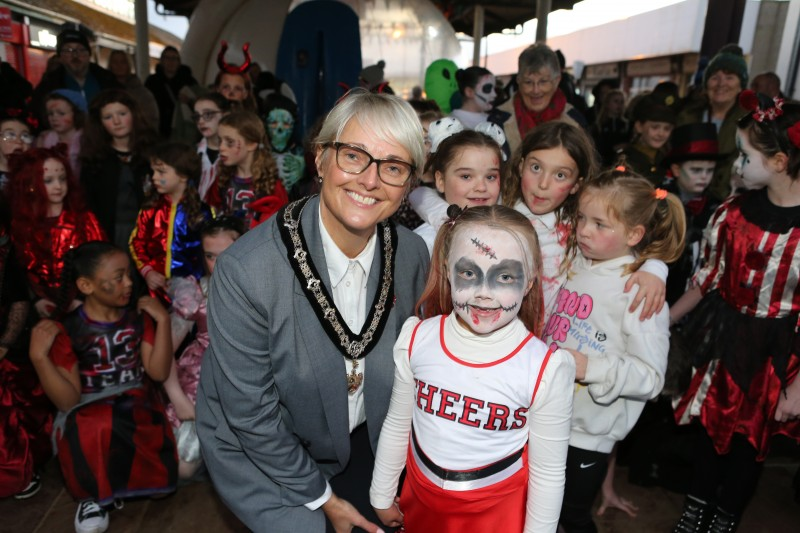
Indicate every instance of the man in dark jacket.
{"type": "Point", "coordinates": [76, 70]}
{"type": "Point", "coordinates": [170, 77]}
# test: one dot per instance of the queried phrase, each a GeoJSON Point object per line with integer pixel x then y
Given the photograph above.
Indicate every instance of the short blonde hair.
{"type": "Point", "coordinates": [389, 117]}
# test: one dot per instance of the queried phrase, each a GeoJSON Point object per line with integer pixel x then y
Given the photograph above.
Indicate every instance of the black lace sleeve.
{"type": "Point", "coordinates": [13, 298]}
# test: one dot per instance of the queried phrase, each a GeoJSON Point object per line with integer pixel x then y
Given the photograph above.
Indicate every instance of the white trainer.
{"type": "Point", "coordinates": [90, 518]}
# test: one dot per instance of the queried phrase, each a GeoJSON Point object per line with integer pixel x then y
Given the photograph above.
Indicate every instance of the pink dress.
{"type": "Point", "coordinates": [190, 303]}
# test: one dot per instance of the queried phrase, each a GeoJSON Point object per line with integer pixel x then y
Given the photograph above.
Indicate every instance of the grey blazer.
{"type": "Point", "coordinates": [272, 412]}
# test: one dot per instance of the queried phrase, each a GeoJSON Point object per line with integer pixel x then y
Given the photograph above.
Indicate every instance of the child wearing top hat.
{"type": "Point", "coordinates": [691, 164]}
{"type": "Point", "coordinates": [653, 120]}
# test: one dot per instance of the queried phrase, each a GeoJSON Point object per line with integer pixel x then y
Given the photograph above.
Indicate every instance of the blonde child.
{"type": "Point", "coordinates": [208, 111]}
{"type": "Point", "coordinates": [248, 185]}
{"type": "Point", "coordinates": [480, 407]}
{"type": "Point", "coordinates": [620, 360]}
{"type": "Point", "coordinates": [166, 241]}
{"type": "Point", "coordinates": [744, 331]}
{"type": "Point", "coordinates": [189, 298]}
{"type": "Point", "coordinates": [466, 169]}
{"type": "Point", "coordinates": [111, 434]}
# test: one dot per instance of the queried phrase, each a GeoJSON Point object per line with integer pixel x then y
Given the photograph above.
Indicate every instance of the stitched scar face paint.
{"type": "Point", "coordinates": [488, 277]}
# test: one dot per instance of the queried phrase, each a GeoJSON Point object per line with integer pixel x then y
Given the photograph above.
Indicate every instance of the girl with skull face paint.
{"type": "Point", "coordinates": [476, 85]}
{"type": "Point", "coordinates": [480, 408]}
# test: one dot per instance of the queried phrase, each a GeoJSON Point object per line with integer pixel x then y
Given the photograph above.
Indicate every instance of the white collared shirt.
{"type": "Point", "coordinates": [349, 283]}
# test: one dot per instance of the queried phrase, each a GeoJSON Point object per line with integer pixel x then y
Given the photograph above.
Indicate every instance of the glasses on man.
{"type": "Point", "coordinates": [12, 136]}
{"type": "Point", "coordinates": [354, 160]}
{"type": "Point", "coordinates": [206, 116]}
{"type": "Point", "coordinates": [77, 51]}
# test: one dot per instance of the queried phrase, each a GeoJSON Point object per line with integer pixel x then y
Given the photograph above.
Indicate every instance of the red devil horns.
{"type": "Point", "coordinates": [233, 69]}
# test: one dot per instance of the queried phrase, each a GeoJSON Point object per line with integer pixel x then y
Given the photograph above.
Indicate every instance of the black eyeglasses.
{"type": "Point", "coordinates": [355, 160]}
{"type": "Point", "coordinates": [208, 115]}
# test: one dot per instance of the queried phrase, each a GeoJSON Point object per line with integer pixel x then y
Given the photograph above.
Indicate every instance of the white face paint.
{"type": "Point", "coordinates": [488, 277]}
{"type": "Point", "coordinates": [751, 164]}
{"type": "Point", "coordinates": [485, 92]}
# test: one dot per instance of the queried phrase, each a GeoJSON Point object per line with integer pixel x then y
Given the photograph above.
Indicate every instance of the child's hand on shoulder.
{"type": "Point", "coordinates": [43, 335]}
{"type": "Point", "coordinates": [652, 290]}
{"type": "Point", "coordinates": [580, 364]}
{"type": "Point", "coordinates": [45, 308]}
{"type": "Point", "coordinates": [392, 516]}
{"type": "Point", "coordinates": [155, 281]}
{"type": "Point", "coordinates": [152, 307]}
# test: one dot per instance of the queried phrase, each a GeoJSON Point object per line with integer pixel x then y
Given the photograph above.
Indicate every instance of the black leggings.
{"type": "Point", "coordinates": [586, 471]}
{"type": "Point", "coordinates": [728, 480]}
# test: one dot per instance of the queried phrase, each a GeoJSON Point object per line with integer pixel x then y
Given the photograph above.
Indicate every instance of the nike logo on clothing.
{"type": "Point", "coordinates": [587, 465]}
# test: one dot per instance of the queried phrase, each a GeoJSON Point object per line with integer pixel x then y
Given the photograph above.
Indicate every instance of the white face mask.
{"type": "Point", "coordinates": [488, 277]}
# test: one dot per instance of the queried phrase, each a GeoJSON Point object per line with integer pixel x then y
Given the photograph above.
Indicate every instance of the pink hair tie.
{"type": "Point", "coordinates": [660, 194]}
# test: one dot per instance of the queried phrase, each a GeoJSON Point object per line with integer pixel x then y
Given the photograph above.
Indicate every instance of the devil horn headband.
{"type": "Point", "coordinates": [233, 69]}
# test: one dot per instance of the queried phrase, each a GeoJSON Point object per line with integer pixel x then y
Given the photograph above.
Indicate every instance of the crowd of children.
{"type": "Point", "coordinates": [539, 341]}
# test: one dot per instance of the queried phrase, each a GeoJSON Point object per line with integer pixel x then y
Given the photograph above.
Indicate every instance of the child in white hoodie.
{"type": "Point", "coordinates": [620, 360]}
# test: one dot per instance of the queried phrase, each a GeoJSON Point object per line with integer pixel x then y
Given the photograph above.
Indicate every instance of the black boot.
{"type": "Point", "coordinates": [695, 516]}
{"type": "Point", "coordinates": [722, 522]}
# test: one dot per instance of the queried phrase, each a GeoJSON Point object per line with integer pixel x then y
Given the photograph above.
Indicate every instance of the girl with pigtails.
{"type": "Point", "coordinates": [622, 221]}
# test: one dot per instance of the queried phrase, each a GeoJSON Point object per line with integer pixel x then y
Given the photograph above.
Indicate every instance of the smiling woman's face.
{"type": "Point", "coordinates": [488, 277]}
{"type": "Point", "coordinates": [353, 204]}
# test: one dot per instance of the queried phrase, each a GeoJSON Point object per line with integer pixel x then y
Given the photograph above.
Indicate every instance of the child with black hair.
{"type": "Point", "coordinates": [744, 329]}
{"type": "Point", "coordinates": [111, 434]}
{"type": "Point", "coordinates": [165, 242]}
{"type": "Point", "coordinates": [476, 86]}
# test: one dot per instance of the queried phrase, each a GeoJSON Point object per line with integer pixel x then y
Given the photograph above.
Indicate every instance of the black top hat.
{"type": "Point", "coordinates": [694, 142]}
{"type": "Point", "coordinates": [654, 107]}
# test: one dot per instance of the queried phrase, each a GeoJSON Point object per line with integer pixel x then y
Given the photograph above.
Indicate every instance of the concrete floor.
{"type": "Point", "coordinates": [195, 508]}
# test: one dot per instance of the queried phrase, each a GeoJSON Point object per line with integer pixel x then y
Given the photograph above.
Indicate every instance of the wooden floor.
{"type": "Point", "coordinates": [195, 508]}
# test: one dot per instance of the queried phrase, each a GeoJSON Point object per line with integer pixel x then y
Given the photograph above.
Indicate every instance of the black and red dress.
{"type": "Point", "coordinates": [117, 442]}
{"type": "Point", "coordinates": [745, 329]}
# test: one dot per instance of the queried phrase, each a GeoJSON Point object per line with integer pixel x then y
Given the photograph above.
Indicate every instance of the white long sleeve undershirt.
{"type": "Point", "coordinates": [548, 419]}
